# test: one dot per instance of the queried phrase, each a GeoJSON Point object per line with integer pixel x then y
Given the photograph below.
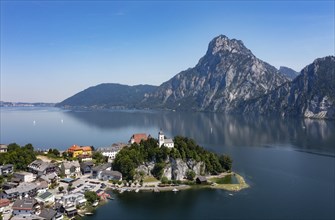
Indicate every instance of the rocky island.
{"type": "Point", "coordinates": [181, 161]}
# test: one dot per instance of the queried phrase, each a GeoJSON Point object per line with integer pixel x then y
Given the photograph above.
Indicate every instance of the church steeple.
{"type": "Point", "coordinates": [160, 138]}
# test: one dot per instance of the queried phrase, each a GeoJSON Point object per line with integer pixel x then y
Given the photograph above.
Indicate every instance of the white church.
{"type": "Point", "coordinates": [167, 142]}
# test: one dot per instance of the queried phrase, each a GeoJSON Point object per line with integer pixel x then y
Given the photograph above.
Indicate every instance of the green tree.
{"type": "Point", "coordinates": [65, 155]}
{"type": "Point", "coordinates": [60, 189]}
{"type": "Point", "coordinates": [98, 157]}
{"type": "Point", "coordinates": [158, 169]}
{"type": "Point", "coordinates": [91, 196]}
{"type": "Point", "coordinates": [125, 165]}
{"type": "Point", "coordinates": [13, 147]}
{"type": "Point", "coordinates": [164, 180]}
{"type": "Point", "coordinates": [190, 175]}
{"type": "Point", "coordinates": [69, 187]}
{"type": "Point", "coordinates": [226, 162]}
{"type": "Point", "coordinates": [20, 157]}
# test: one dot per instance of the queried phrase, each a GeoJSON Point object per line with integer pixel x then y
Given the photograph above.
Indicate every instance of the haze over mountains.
{"type": "Point", "coordinates": [228, 78]}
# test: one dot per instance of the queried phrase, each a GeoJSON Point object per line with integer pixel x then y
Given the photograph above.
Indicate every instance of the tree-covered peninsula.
{"type": "Point", "coordinates": [185, 160]}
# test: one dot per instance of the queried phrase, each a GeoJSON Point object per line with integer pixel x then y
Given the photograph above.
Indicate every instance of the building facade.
{"type": "Point", "coordinates": [24, 176]}
{"type": "Point", "coordinates": [40, 167]}
{"type": "Point", "coordinates": [70, 168]}
{"type": "Point", "coordinates": [3, 148]}
{"type": "Point", "coordinates": [80, 151]}
{"type": "Point", "coordinates": [167, 142]}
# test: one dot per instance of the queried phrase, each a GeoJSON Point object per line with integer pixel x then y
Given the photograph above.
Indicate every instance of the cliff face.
{"type": "Point", "coordinates": [229, 72]}
{"type": "Point", "coordinates": [311, 94]}
{"type": "Point", "coordinates": [175, 169]}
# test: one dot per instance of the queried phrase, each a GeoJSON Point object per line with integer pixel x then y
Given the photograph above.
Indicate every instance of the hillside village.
{"type": "Point", "coordinates": [57, 185]}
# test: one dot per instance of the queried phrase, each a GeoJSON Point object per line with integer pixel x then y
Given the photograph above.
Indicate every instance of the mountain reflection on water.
{"type": "Point", "coordinates": [289, 163]}
{"type": "Point", "coordinates": [216, 130]}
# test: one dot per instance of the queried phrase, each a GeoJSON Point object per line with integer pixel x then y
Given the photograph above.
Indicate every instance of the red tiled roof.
{"type": "Point", "coordinates": [87, 148]}
{"type": "Point", "coordinates": [74, 148]}
{"type": "Point", "coordinates": [138, 137]}
{"type": "Point", "coordinates": [4, 202]}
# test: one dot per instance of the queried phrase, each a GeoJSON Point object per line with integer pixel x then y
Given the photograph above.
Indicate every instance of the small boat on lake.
{"type": "Point", "coordinates": [95, 203]}
{"type": "Point", "coordinates": [175, 190]}
{"type": "Point", "coordinates": [88, 213]}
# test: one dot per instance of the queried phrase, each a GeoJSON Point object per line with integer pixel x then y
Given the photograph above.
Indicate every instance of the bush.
{"type": "Point", "coordinates": [164, 180]}
{"type": "Point", "coordinates": [190, 175]}
{"type": "Point", "coordinates": [158, 169]}
{"type": "Point", "coordinates": [91, 196]}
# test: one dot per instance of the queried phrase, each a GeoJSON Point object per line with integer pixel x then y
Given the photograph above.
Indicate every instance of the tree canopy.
{"type": "Point", "coordinates": [91, 196]}
{"type": "Point", "coordinates": [20, 157]}
{"type": "Point", "coordinates": [129, 158]}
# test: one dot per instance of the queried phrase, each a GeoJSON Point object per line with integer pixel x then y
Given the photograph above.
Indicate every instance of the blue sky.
{"type": "Point", "coordinates": [51, 50]}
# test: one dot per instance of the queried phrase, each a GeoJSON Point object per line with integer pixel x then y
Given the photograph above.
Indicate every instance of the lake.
{"type": "Point", "coordinates": [289, 163]}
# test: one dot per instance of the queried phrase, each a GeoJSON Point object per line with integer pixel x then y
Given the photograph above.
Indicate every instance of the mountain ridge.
{"type": "Point", "coordinates": [310, 95]}
{"type": "Point", "coordinates": [228, 78]}
{"type": "Point", "coordinates": [107, 95]}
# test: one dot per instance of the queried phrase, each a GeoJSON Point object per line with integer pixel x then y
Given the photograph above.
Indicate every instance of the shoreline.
{"type": "Point", "coordinates": [233, 187]}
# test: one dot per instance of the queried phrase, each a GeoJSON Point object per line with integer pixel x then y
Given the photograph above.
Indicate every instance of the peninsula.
{"type": "Point", "coordinates": [41, 183]}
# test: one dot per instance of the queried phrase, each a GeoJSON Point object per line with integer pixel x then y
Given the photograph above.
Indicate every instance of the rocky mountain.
{"type": "Point", "coordinates": [311, 94]}
{"type": "Point", "coordinates": [227, 74]}
{"type": "Point", "coordinates": [108, 95]}
{"type": "Point", "coordinates": [288, 72]}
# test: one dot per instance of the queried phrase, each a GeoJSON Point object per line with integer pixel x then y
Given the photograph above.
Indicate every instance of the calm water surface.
{"type": "Point", "coordinates": [289, 163]}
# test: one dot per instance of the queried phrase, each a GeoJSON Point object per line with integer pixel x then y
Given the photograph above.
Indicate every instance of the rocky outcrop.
{"type": "Point", "coordinates": [146, 168]}
{"type": "Point", "coordinates": [175, 169]}
{"type": "Point", "coordinates": [311, 94]}
{"type": "Point", "coordinates": [229, 72]}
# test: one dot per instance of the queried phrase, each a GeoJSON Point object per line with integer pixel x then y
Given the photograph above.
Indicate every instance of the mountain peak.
{"type": "Point", "coordinates": [222, 43]}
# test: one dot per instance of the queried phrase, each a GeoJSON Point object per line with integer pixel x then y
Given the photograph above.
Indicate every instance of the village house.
{"type": "Point", "coordinates": [76, 199]}
{"type": "Point", "coordinates": [111, 151]}
{"type": "Point", "coordinates": [201, 180]}
{"type": "Point", "coordinates": [9, 185]}
{"type": "Point", "coordinates": [86, 167]}
{"type": "Point", "coordinates": [70, 168]}
{"type": "Point", "coordinates": [50, 178]}
{"type": "Point", "coordinates": [80, 151]}
{"type": "Point", "coordinates": [6, 169]}
{"type": "Point", "coordinates": [96, 171]}
{"type": "Point", "coordinates": [70, 211]}
{"type": "Point", "coordinates": [42, 186]}
{"type": "Point", "coordinates": [40, 167]}
{"type": "Point", "coordinates": [25, 207]}
{"type": "Point", "coordinates": [50, 214]}
{"type": "Point", "coordinates": [137, 138]}
{"type": "Point", "coordinates": [167, 142]}
{"type": "Point", "coordinates": [24, 176]}
{"type": "Point", "coordinates": [3, 148]}
{"type": "Point", "coordinates": [3, 204]}
{"type": "Point", "coordinates": [111, 175]}
{"type": "Point", "coordinates": [22, 190]}
{"type": "Point", "coordinates": [45, 198]}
